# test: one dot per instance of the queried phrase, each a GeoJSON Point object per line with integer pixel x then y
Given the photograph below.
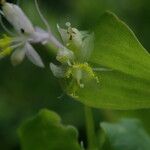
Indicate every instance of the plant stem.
{"type": "Point", "coordinates": [91, 137]}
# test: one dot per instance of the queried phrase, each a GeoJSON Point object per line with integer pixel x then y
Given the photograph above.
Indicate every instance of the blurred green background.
{"type": "Point", "coordinates": [25, 89]}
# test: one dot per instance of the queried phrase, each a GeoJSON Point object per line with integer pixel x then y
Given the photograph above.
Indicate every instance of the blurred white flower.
{"type": "Point", "coordinates": [26, 34]}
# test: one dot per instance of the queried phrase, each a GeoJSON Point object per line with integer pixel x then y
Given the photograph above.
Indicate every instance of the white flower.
{"type": "Point", "coordinates": [26, 34]}
{"type": "Point", "coordinates": [80, 42]}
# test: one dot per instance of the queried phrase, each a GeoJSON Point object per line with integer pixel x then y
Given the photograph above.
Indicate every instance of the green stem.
{"type": "Point", "coordinates": [91, 137]}
{"type": "Point", "coordinates": [51, 48]}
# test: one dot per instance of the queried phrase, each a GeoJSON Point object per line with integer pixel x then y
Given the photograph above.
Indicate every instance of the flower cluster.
{"type": "Point", "coordinates": [25, 35]}
{"type": "Point", "coordinates": [72, 55]}
{"type": "Point", "coordinates": [19, 43]}
{"type": "Point", "coordinates": [73, 58]}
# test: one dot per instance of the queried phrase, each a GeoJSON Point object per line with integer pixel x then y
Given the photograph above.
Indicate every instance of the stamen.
{"type": "Point", "coordinates": [16, 45]}
{"type": "Point", "coordinates": [51, 37]}
{"type": "Point", "coordinates": [4, 27]}
{"type": "Point", "coordinates": [42, 17]}
{"type": "Point", "coordinates": [68, 24]}
{"type": "Point", "coordinates": [70, 30]}
{"type": "Point", "coordinates": [7, 46]}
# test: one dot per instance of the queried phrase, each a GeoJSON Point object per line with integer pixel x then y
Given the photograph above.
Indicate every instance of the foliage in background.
{"type": "Point", "coordinates": [127, 134]}
{"type": "Point", "coordinates": [19, 86]}
{"type": "Point", "coordinates": [45, 131]}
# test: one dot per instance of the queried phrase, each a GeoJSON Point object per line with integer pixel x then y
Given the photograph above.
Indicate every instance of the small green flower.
{"type": "Point", "coordinates": [73, 59]}
{"type": "Point", "coordinates": [25, 34]}
{"type": "Point", "coordinates": [73, 68]}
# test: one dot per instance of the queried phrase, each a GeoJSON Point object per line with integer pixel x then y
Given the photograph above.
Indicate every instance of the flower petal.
{"type": "Point", "coordinates": [17, 56]}
{"type": "Point", "coordinates": [39, 35]}
{"type": "Point", "coordinates": [17, 18]}
{"type": "Point", "coordinates": [64, 34]}
{"type": "Point", "coordinates": [33, 56]}
{"type": "Point", "coordinates": [65, 55]}
{"type": "Point", "coordinates": [57, 71]}
{"type": "Point", "coordinates": [87, 46]}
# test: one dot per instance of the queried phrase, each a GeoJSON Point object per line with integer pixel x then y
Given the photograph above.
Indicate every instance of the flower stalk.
{"type": "Point", "coordinates": [90, 129]}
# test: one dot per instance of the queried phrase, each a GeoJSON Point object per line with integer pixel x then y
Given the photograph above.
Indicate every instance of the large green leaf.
{"type": "Point", "coordinates": [45, 132]}
{"type": "Point", "coordinates": [128, 134]}
{"type": "Point", "coordinates": [127, 86]}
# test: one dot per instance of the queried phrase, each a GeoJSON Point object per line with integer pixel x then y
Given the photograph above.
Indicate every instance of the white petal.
{"type": "Point", "coordinates": [84, 33]}
{"type": "Point", "coordinates": [71, 36]}
{"type": "Point", "coordinates": [43, 37]}
{"type": "Point", "coordinates": [33, 56]}
{"type": "Point", "coordinates": [57, 71]}
{"type": "Point", "coordinates": [17, 56]}
{"type": "Point", "coordinates": [87, 46]}
{"type": "Point", "coordinates": [39, 35]}
{"type": "Point", "coordinates": [64, 34]}
{"type": "Point", "coordinates": [65, 55]}
{"type": "Point", "coordinates": [17, 18]}
{"type": "Point", "coordinates": [40, 30]}
{"type": "Point", "coordinates": [77, 38]}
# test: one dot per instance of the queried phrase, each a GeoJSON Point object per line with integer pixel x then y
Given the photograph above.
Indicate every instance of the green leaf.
{"type": "Point", "coordinates": [127, 86]}
{"type": "Point", "coordinates": [128, 134]}
{"type": "Point", "coordinates": [45, 132]}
